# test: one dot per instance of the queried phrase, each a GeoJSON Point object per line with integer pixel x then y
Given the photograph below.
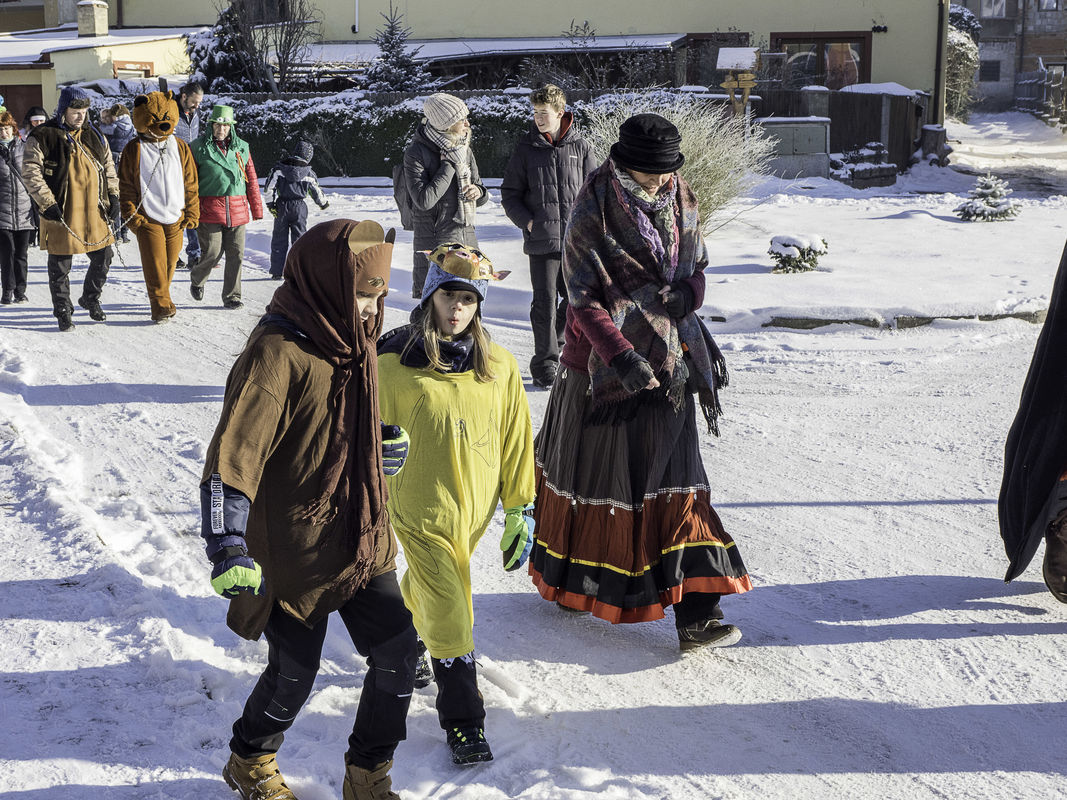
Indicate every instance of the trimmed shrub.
{"type": "Point", "coordinates": [797, 253]}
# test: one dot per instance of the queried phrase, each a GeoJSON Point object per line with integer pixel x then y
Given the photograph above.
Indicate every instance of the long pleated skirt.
{"type": "Point", "coordinates": [625, 526]}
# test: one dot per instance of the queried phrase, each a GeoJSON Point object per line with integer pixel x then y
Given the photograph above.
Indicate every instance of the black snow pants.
{"type": "Point", "coordinates": [459, 703]}
{"type": "Point", "coordinates": [381, 629]}
{"type": "Point", "coordinates": [289, 225]}
{"type": "Point", "coordinates": [93, 286]}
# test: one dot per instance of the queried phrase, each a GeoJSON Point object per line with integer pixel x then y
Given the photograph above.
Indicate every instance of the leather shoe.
{"type": "Point", "coordinates": [196, 291]}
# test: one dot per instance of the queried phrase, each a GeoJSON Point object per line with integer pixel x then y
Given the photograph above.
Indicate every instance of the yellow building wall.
{"type": "Point", "coordinates": [906, 53]}
{"type": "Point", "coordinates": [168, 13]}
{"type": "Point", "coordinates": [21, 19]}
{"type": "Point", "coordinates": [167, 57]}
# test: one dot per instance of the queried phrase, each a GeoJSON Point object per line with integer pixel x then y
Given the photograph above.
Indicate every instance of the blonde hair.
{"type": "Point", "coordinates": [481, 350]}
{"type": "Point", "coordinates": [549, 95]}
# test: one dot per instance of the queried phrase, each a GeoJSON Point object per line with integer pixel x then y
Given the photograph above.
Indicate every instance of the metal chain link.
{"type": "Point", "coordinates": [113, 232]}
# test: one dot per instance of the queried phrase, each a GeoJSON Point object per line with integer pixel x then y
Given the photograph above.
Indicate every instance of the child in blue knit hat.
{"type": "Point", "coordinates": [290, 182]}
{"type": "Point", "coordinates": [460, 398]}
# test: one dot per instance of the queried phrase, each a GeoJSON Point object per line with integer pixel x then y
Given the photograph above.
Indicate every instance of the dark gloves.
{"type": "Point", "coordinates": [518, 538]}
{"type": "Point", "coordinates": [235, 571]}
{"type": "Point", "coordinates": [224, 516]}
{"type": "Point", "coordinates": [114, 210]}
{"type": "Point", "coordinates": [395, 443]}
{"type": "Point", "coordinates": [272, 207]}
{"type": "Point", "coordinates": [633, 370]}
{"type": "Point", "coordinates": [678, 298]}
{"type": "Point", "coordinates": [53, 213]}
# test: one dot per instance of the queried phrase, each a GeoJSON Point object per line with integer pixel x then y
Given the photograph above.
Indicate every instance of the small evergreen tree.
{"type": "Point", "coordinates": [989, 201]}
{"type": "Point", "coordinates": [396, 70]}
{"type": "Point", "coordinates": [221, 56]}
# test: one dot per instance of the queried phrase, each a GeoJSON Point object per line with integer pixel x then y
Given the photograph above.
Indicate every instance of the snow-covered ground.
{"type": "Point", "coordinates": [883, 655]}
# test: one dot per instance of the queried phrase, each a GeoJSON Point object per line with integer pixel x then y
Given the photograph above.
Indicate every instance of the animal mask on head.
{"type": "Point", "coordinates": [155, 115]}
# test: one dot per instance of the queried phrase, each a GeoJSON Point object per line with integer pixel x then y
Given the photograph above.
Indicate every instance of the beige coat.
{"type": "Point", "coordinates": [85, 209]}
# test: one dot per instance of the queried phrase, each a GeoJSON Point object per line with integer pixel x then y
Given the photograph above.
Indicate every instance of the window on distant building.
{"type": "Point", "coordinates": [989, 72]}
{"type": "Point", "coordinates": [1048, 5]}
{"type": "Point", "coordinates": [825, 59]}
{"type": "Point", "coordinates": [994, 8]}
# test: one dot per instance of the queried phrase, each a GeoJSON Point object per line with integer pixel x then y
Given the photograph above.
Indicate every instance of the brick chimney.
{"type": "Point", "coordinates": [92, 18]}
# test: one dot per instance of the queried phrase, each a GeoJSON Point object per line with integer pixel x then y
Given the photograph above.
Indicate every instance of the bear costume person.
{"type": "Point", "coordinates": [159, 193]}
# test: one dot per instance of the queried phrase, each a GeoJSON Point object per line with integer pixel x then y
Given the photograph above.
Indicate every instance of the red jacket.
{"type": "Point", "coordinates": [233, 211]}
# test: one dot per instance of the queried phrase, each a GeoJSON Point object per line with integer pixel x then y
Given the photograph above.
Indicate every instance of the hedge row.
{"type": "Point", "coordinates": [354, 136]}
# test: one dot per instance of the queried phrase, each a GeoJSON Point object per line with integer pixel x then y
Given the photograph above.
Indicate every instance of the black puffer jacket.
{"type": "Point", "coordinates": [16, 208]}
{"type": "Point", "coordinates": [541, 182]}
{"type": "Point", "coordinates": [435, 195]}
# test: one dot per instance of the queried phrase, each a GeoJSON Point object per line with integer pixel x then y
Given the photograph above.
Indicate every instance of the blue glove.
{"type": "Point", "coordinates": [395, 443]}
{"type": "Point", "coordinates": [518, 538]}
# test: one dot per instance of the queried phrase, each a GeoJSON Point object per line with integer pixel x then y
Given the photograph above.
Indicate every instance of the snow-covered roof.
{"type": "Point", "coordinates": [882, 88]}
{"type": "Point", "coordinates": [453, 49]}
{"type": "Point", "coordinates": [28, 47]}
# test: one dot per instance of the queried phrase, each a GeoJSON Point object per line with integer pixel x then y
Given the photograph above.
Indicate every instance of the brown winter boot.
{"type": "Point", "coordinates": [1054, 568]}
{"type": "Point", "coordinates": [256, 778]}
{"type": "Point", "coordinates": [369, 784]}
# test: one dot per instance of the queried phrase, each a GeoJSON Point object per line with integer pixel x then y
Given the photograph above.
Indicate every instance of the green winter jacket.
{"type": "Point", "coordinates": [221, 176]}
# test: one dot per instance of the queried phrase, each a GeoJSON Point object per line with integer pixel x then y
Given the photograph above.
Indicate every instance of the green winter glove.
{"type": "Point", "coordinates": [235, 575]}
{"type": "Point", "coordinates": [395, 443]}
{"type": "Point", "coordinates": [518, 538]}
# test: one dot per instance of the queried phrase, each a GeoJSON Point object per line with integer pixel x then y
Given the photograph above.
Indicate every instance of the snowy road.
{"type": "Point", "coordinates": [858, 470]}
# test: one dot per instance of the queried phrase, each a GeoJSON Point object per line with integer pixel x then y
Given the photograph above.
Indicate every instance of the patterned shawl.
{"type": "Point", "coordinates": [612, 263]}
{"type": "Point", "coordinates": [457, 150]}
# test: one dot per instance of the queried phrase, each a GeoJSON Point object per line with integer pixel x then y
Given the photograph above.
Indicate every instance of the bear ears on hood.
{"type": "Point", "coordinates": [155, 114]}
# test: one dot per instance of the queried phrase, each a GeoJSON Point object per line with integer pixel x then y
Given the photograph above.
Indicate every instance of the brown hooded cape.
{"type": "Point", "coordinates": [300, 435]}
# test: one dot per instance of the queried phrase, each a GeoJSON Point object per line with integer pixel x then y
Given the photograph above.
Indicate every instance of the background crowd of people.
{"type": "Point", "coordinates": [318, 468]}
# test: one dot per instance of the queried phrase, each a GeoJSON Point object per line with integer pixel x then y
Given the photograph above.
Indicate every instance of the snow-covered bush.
{"type": "Point", "coordinates": [723, 155]}
{"type": "Point", "coordinates": [989, 201]}
{"type": "Point", "coordinates": [960, 74]}
{"type": "Point", "coordinates": [223, 56]}
{"type": "Point", "coordinates": [797, 253]}
{"type": "Point", "coordinates": [963, 19]}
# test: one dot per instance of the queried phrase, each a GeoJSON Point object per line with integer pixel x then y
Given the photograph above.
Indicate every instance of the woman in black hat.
{"type": "Point", "coordinates": [625, 526]}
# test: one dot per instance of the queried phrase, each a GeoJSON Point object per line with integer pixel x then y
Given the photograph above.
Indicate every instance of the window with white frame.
{"type": "Point", "coordinates": [1048, 5]}
{"type": "Point", "coordinates": [994, 8]}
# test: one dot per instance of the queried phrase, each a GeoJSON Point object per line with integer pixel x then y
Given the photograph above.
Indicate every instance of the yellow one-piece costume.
{"type": "Point", "coordinates": [471, 446]}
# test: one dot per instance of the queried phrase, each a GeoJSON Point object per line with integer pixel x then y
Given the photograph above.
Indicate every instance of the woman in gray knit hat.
{"type": "Point", "coordinates": [442, 180]}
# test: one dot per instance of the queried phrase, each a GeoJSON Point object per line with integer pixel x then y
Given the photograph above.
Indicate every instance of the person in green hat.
{"type": "Point", "coordinates": [229, 199]}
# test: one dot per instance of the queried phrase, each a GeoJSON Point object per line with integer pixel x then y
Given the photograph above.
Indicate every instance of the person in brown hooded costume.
{"type": "Point", "coordinates": [294, 512]}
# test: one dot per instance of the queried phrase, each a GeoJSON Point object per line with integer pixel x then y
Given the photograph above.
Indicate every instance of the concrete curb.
{"type": "Point", "coordinates": [900, 322]}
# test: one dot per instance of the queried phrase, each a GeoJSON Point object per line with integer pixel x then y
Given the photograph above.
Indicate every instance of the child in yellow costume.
{"type": "Point", "coordinates": [461, 400]}
{"type": "Point", "coordinates": [159, 194]}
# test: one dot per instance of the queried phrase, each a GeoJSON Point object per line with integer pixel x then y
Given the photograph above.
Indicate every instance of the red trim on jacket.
{"type": "Point", "coordinates": [236, 209]}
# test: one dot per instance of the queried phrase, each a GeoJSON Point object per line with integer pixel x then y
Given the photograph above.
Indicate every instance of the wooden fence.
{"type": "Point", "coordinates": [856, 119]}
{"type": "Point", "coordinates": [1042, 93]}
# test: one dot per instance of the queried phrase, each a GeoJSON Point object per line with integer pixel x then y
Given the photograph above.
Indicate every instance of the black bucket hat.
{"type": "Point", "coordinates": [648, 143]}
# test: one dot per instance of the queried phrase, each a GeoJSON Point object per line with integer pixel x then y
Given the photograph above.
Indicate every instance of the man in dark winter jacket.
{"type": "Point", "coordinates": [443, 181]}
{"type": "Point", "coordinates": [541, 180]}
{"type": "Point", "coordinates": [288, 185]}
{"type": "Point", "coordinates": [69, 174]}
{"type": "Point", "coordinates": [190, 96]}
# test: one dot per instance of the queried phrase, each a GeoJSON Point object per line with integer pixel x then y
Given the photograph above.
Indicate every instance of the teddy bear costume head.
{"type": "Point", "coordinates": [155, 115]}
